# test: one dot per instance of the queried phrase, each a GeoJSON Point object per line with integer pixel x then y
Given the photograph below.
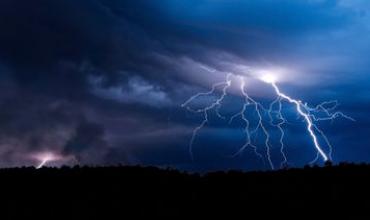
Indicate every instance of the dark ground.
{"type": "Point", "coordinates": [121, 192]}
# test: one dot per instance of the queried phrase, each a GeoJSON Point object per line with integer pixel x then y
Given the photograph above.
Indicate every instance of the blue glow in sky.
{"type": "Point", "coordinates": [102, 82]}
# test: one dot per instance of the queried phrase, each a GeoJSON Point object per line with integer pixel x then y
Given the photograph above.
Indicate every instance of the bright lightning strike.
{"type": "Point", "coordinates": [269, 78]}
{"type": "Point", "coordinates": [276, 118]}
{"type": "Point", "coordinates": [306, 117]}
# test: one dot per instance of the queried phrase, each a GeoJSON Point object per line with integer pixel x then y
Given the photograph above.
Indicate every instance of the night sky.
{"type": "Point", "coordinates": [101, 82]}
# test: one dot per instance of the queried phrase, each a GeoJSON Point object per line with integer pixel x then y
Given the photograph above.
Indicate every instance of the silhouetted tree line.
{"type": "Point", "coordinates": [148, 192]}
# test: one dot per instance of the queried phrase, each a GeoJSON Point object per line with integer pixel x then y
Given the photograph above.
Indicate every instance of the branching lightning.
{"type": "Point", "coordinates": [247, 102]}
{"type": "Point", "coordinates": [306, 117]}
{"type": "Point", "coordinates": [259, 109]}
{"type": "Point", "coordinates": [214, 105]}
{"type": "Point", "coordinates": [310, 115]}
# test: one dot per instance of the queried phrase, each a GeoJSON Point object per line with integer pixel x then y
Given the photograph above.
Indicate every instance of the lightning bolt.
{"type": "Point", "coordinates": [259, 110]}
{"type": "Point", "coordinates": [310, 115]}
{"type": "Point", "coordinates": [306, 117]}
{"type": "Point", "coordinates": [242, 114]}
{"type": "Point", "coordinates": [46, 157]}
{"type": "Point", "coordinates": [306, 112]}
{"type": "Point", "coordinates": [214, 105]}
{"type": "Point", "coordinates": [42, 163]}
{"type": "Point", "coordinates": [280, 122]}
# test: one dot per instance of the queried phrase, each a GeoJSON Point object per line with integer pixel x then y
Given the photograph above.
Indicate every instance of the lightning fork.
{"type": "Point", "coordinates": [241, 114]}
{"type": "Point", "coordinates": [214, 105]}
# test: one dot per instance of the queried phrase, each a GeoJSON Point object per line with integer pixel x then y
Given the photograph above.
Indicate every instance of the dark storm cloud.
{"type": "Point", "coordinates": [41, 33]}
{"type": "Point", "coordinates": [44, 37]}
{"type": "Point", "coordinates": [88, 138]}
{"type": "Point", "coordinates": [103, 79]}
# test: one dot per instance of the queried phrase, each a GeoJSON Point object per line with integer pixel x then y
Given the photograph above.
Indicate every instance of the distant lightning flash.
{"type": "Point", "coordinates": [276, 118]}
{"type": "Point", "coordinates": [42, 163]}
{"type": "Point", "coordinates": [46, 157]}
